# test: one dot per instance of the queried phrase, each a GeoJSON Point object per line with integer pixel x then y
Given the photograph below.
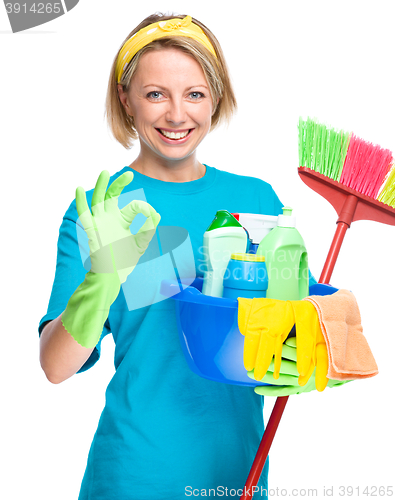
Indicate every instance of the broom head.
{"type": "Point", "coordinates": [338, 164]}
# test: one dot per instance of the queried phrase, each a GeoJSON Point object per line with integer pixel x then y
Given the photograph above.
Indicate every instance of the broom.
{"type": "Point", "coordinates": [358, 179]}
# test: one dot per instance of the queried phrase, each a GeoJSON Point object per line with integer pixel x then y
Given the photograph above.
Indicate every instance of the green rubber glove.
{"type": "Point", "coordinates": [287, 384]}
{"type": "Point", "coordinates": [114, 253]}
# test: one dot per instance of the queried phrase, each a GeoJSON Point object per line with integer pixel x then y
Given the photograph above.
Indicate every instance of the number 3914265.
{"type": "Point", "coordinates": [39, 8]}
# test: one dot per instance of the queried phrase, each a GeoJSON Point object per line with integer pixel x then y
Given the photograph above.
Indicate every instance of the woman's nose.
{"type": "Point", "coordinates": [176, 113]}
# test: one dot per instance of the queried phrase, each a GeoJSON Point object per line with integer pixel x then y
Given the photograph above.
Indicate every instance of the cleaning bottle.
{"type": "Point", "coordinates": [224, 236]}
{"type": "Point", "coordinates": [257, 225]}
{"type": "Point", "coordinates": [245, 276]}
{"type": "Point", "coordinates": [286, 260]}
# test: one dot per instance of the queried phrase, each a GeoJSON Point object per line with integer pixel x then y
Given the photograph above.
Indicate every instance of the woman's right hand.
{"type": "Point", "coordinates": [113, 248]}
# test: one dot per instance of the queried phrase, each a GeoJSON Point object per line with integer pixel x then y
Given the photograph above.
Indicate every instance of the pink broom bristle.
{"type": "Point", "coordinates": [365, 167]}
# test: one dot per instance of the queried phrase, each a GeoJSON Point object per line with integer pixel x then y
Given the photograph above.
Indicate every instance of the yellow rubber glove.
{"type": "Point", "coordinates": [265, 323]}
{"type": "Point", "coordinates": [311, 347]}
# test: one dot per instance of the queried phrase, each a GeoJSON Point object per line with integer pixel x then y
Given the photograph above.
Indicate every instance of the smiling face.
{"type": "Point", "coordinates": [170, 102]}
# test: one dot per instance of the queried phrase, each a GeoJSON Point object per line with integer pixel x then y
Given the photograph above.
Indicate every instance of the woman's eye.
{"type": "Point", "coordinates": [154, 95]}
{"type": "Point", "coordinates": [196, 95]}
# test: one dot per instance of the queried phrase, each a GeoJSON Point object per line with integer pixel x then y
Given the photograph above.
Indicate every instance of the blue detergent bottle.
{"type": "Point", "coordinates": [286, 260]}
{"type": "Point", "coordinates": [245, 276]}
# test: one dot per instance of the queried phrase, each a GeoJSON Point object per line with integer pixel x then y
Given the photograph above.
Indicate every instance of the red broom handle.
{"type": "Point", "coordinates": [343, 223]}
{"type": "Point", "coordinates": [333, 252]}
{"type": "Point", "coordinates": [264, 447]}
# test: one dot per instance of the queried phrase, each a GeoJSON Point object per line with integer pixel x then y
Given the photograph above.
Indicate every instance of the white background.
{"type": "Point", "coordinates": [330, 60]}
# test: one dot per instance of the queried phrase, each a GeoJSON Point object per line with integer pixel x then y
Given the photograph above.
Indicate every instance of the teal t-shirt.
{"type": "Point", "coordinates": [165, 433]}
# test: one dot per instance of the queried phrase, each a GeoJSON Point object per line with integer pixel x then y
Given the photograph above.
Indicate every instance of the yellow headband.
{"type": "Point", "coordinates": [172, 27]}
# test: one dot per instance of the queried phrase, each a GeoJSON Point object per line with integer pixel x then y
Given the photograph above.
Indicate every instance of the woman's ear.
{"type": "Point", "coordinates": [123, 97]}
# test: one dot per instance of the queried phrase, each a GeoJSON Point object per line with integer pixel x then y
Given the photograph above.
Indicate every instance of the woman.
{"type": "Point", "coordinates": [164, 432]}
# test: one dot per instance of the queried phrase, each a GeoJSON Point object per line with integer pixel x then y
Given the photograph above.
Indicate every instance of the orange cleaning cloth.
{"type": "Point", "coordinates": [349, 354]}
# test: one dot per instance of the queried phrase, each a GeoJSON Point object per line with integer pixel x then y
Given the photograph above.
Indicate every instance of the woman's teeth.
{"type": "Point", "coordinates": [172, 135]}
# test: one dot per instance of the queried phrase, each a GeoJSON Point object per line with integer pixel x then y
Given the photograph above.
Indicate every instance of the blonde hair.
{"type": "Point", "coordinates": [214, 68]}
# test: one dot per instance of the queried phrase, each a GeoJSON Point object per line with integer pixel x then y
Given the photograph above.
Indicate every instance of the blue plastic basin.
{"type": "Point", "coordinates": [209, 333]}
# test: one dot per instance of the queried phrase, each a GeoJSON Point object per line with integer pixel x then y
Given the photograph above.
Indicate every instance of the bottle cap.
{"type": "Point", "coordinates": [286, 219]}
{"type": "Point", "coordinates": [247, 257]}
{"type": "Point", "coordinates": [223, 218]}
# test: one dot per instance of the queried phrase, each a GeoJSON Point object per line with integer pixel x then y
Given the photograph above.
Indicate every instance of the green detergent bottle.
{"type": "Point", "coordinates": [286, 260]}
{"type": "Point", "coordinates": [224, 236]}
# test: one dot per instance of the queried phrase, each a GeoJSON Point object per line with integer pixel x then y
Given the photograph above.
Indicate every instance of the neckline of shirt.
{"type": "Point", "coordinates": [177, 187]}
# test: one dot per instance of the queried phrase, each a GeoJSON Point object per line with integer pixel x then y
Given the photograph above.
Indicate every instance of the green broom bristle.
{"type": "Point", "coordinates": [387, 194]}
{"type": "Point", "coordinates": [322, 149]}
{"type": "Point", "coordinates": [325, 149]}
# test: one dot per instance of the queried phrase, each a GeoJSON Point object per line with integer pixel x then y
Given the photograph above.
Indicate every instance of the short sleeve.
{"type": "Point", "coordinates": [277, 205]}
{"type": "Point", "coordinates": [269, 202]}
{"type": "Point", "coordinates": [69, 274]}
